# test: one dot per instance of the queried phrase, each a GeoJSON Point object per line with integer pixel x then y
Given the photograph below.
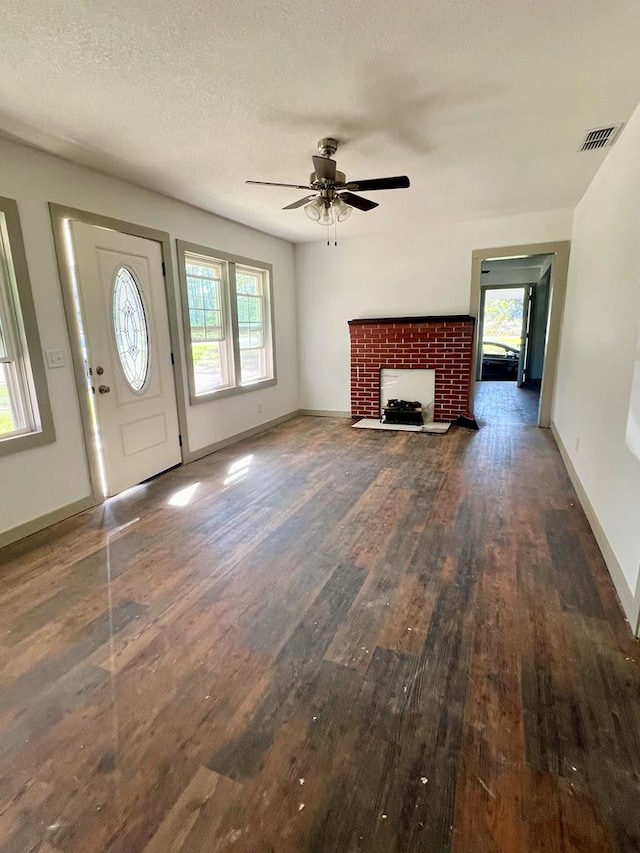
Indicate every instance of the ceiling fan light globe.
{"type": "Point", "coordinates": [313, 209]}
{"type": "Point", "coordinates": [342, 211]}
{"type": "Point", "coordinates": [326, 215]}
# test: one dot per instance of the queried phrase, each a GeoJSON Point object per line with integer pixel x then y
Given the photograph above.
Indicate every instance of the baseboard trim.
{"type": "Point", "coordinates": [8, 537]}
{"type": "Point", "coordinates": [201, 452]}
{"type": "Point", "coordinates": [630, 602]}
{"type": "Point", "coordinates": [324, 413]}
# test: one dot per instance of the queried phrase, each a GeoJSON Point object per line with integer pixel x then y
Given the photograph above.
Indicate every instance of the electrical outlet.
{"type": "Point", "coordinates": [577, 444]}
{"type": "Point", "coordinates": [259, 408]}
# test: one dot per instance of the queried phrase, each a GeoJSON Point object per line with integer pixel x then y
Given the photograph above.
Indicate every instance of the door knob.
{"type": "Point", "coordinates": [103, 389]}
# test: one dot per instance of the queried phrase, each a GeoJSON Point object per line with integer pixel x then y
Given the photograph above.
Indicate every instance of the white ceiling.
{"type": "Point", "coordinates": [535, 262]}
{"type": "Point", "coordinates": [483, 103]}
{"type": "Point", "coordinates": [514, 270]}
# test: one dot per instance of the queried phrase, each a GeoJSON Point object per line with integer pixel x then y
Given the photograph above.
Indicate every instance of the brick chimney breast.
{"type": "Point", "coordinates": [443, 344]}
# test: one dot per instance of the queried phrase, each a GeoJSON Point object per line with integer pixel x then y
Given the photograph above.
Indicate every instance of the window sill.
{"type": "Point", "coordinates": [26, 441]}
{"type": "Point", "coordinates": [230, 392]}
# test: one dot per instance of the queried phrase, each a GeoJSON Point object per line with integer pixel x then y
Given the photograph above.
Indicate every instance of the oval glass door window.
{"type": "Point", "coordinates": [130, 329]}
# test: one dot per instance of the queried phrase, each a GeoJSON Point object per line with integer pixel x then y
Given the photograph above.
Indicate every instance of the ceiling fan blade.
{"type": "Point", "coordinates": [273, 184]}
{"type": "Point", "coordinates": [325, 168]}
{"type": "Point", "coordinates": [300, 202]}
{"type": "Point", "coordinates": [358, 201]}
{"type": "Point", "coordinates": [400, 182]}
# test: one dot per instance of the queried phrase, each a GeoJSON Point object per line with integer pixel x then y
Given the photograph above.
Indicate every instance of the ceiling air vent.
{"type": "Point", "coordinates": [600, 137]}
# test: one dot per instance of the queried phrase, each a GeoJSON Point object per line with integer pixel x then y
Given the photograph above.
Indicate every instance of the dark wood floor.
{"type": "Point", "coordinates": [354, 641]}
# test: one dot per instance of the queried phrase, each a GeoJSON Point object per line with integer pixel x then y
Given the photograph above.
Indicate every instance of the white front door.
{"type": "Point", "coordinates": [128, 349]}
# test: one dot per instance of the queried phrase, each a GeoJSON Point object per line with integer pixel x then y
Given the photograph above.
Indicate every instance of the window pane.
{"type": "Point", "coordinates": [503, 309]}
{"type": "Point", "coordinates": [210, 295]}
{"type": "Point", "coordinates": [251, 337]}
{"type": "Point", "coordinates": [248, 282]}
{"type": "Point", "coordinates": [8, 421]}
{"type": "Point", "coordinates": [252, 363]}
{"type": "Point", "coordinates": [254, 311]}
{"type": "Point", "coordinates": [205, 306]}
{"type": "Point", "coordinates": [210, 271]}
{"type": "Point", "coordinates": [209, 367]}
{"type": "Point", "coordinates": [213, 323]}
{"type": "Point", "coordinates": [196, 318]}
{"type": "Point", "coordinates": [19, 411]}
{"type": "Point", "coordinates": [250, 321]}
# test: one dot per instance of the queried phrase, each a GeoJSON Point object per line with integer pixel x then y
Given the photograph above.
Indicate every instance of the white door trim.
{"type": "Point", "coordinates": [59, 215]}
{"type": "Point", "coordinates": [558, 287]}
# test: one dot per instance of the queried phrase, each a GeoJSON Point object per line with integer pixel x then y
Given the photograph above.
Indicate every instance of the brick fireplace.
{"type": "Point", "coordinates": [443, 344]}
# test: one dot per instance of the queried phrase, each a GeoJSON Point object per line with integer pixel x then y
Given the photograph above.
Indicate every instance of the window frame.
{"type": "Point", "coordinates": [25, 338]}
{"type": "Point", "coordinates": [232, 340]}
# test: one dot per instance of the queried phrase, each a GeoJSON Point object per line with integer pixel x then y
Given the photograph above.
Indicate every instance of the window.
{"type": "Point", "coordinates": [130, 329]}
{"type": "Point", "coordinates": [228, 321]}
{"type": "Point", "coordinates": [25, 416]}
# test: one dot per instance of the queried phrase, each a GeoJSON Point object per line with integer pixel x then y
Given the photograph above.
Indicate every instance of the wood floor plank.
{"type": "Point", "coordinates": [491, 803]}
{"type": "Point", "coordinates": [207, 834]}
{"type": "Point", "coordinates": [199, 795]}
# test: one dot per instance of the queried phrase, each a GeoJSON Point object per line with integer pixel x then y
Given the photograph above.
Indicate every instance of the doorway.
{"type": "Point", "coordinates": [517, 296]}
{"type": "Point", "coordinates": [120, 325]}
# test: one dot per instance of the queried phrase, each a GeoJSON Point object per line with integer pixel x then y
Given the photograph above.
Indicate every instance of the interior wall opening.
{"type": "Point", "coordinates": [517, 295]}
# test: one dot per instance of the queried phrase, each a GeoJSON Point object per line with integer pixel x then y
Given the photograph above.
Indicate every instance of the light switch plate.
{"type": "Point", "coordinates": [55, 358]}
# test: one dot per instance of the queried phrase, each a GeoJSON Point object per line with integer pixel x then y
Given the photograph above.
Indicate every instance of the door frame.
{"type": "Point", "coordinates": [557, 291]}
{"type": "Point", "coordinates": [59, 215]}
{"type": "Point", "coordinates": [527, 306]}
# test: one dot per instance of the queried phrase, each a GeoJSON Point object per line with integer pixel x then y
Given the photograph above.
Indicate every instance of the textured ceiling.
{"type": "Point", "coordinates": [483, 103]}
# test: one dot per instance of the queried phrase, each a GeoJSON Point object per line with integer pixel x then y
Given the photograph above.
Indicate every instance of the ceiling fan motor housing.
{"type": "Point", "coordinates": [327, 147]}
{"type": "Point", "coordinates": [340, 179]}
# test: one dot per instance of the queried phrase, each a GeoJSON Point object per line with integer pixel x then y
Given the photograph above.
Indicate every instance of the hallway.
{"type": "Point", "coordinates": [504, 402]}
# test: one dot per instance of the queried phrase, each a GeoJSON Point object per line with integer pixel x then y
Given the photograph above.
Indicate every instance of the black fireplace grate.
{"type": "Point", "coordinates": [402, 412]}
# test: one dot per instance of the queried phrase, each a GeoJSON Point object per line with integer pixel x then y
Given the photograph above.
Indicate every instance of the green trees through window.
{"type": "Point", "coordinates": [503, 315]}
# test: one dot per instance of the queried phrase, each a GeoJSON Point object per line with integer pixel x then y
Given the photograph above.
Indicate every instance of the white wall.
{"type": "Point", "coordinates": [599, 351]}
{"type": "Point", "coordinates": [421, 271]}
{"type": "Point", "coordinates": [50, 477]}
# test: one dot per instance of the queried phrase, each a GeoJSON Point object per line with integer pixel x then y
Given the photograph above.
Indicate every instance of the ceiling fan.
{"type": "Point", "coordinates": [333, 197]}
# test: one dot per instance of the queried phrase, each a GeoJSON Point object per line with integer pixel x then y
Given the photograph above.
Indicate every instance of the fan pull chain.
{"type": "Point", "coordinates": [328, 236]}
{"type": "Point", "coordinates": [335, 232]}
